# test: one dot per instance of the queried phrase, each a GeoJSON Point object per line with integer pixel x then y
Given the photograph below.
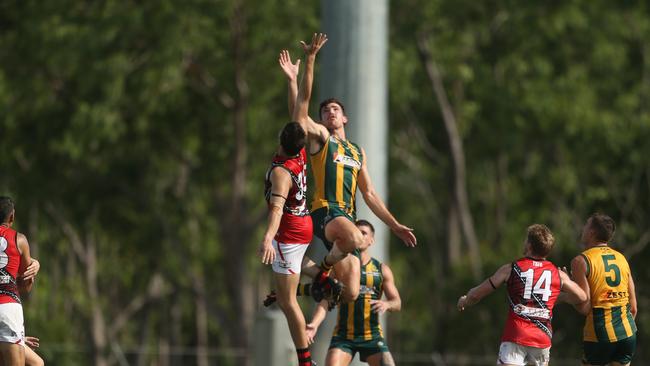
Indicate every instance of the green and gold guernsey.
{"type": "Point", "coordinates": [356, 321]}
{"type": "Point", "coordinates": [336, 167]}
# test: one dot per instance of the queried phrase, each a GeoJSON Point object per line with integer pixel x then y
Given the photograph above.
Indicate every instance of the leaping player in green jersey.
{"type": "Point", "coordinates": [338, 167]}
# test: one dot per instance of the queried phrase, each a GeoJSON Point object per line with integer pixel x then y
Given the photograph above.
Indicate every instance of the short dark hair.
{"type": "Point", "coordinates": [6, 208]}
{"type": "Point", "coordinates": [541, 240]}
{"type": "Point", "coordinates": [328, 101]}
{"type": "Point", "coordinates": [365, 223]}
{"type": "Point", "coordinates": [602, 227]}
{"type": "Point", "coordinates": [292, 138]}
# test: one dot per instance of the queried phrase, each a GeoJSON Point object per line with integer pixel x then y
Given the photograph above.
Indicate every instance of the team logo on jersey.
{"type": "Point", "coordinates": [526, 311]}
{"type": "Point", "coordinates": [364, 290]}
{"type": "Point", "coordinates": [347, 161]}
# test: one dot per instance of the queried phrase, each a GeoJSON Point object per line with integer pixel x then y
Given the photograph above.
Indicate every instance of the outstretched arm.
{"type": "Point", "coordinates": [317, 133]}
{"type": "Point", "coordinates": [575, 294]}
{"type": "Point", "coordinates": [378, 207]}
{"type": "Point", "coordinates": [485, 288]}
{"type": "Point", "coordinates": [291, 72]}
{"type": "Point", "coordinates": [280, 186]}
{"type": "Point", "coordinates": [393, 301]}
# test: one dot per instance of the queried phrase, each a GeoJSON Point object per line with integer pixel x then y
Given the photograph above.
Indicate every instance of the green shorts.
{"type": "Point", "coordinates": [602, 353]}
{"type": "Point", "coordinates": [322, 216]}
{"type": "Point", "coordinates": [365, 348]}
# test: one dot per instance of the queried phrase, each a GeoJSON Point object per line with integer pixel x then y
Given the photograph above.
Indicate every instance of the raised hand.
{"type": "Point", "coordinates": [317, 41]}
{"type": "Point", "coordinates": [290, 69]}
{"type": "Point", "coordinates": [406, 234]}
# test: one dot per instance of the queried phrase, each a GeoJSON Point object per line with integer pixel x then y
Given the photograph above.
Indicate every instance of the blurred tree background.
{"type": "Point", "coordinates": [135, 135]}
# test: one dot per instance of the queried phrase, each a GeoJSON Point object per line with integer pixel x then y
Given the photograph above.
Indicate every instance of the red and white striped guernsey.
{"type": "Point", "coordinates": [533, 288]}
{"type": "Point", "coordinates": [9, 265]}
{"type": "Point", "coordinates": [296, 225]}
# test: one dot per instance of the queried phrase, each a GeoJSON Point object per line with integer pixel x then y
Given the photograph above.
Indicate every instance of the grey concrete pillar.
{"type": "Point", "coordinates": [354, 69]}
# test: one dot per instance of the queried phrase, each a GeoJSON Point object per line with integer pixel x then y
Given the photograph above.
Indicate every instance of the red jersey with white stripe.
{"type": "Point", "coordinates": [296, 225]}
{"type": "Point", "coordinates": [533, 288]}
{"type": "Point", "coordinates": [9, 265]}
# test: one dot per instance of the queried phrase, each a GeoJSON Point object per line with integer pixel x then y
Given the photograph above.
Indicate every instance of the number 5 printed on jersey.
{"type": "Point", "coordinates": [613, 282]}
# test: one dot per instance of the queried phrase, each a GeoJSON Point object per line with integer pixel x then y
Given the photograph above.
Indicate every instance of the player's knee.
{"type": "Point", "coordinates": [287, 303]}
{"type": "Point", "coordinates": [36, 362]}
{"type": "Point", "coordinates": [352, 240]}
{"type": "Point", "coordinates": [357, 238]}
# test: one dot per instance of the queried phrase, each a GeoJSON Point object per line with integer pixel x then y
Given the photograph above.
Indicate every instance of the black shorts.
{"type": "Point", "coordinates": [322, 216]}
{"type": "Point", "coordinates": [602, 353]}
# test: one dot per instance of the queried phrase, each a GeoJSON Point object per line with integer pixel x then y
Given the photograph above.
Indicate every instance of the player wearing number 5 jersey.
{"type": "Point", "coordinates": [604, 274]}
{"type": "Point", "coordinates": [534, 285]}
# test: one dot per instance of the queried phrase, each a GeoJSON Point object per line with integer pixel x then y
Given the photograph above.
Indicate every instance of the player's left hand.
{"type": "Point", "coordinates": [461, 303]}
{"type": "Point", "coordinates": [406, 234]}
{"type": "Point", "coordinates": [311, 333]}
{"type": "Point", "coordinates": [290, 69]}
{"type": "Point", "coordinates": [266, 252]}
{"type": "Point", "coordinates": [317, 41]}
{"type": "Point", "coordinates": [31, 270]}
{"type": "Point", "coordinates": [379, 306]}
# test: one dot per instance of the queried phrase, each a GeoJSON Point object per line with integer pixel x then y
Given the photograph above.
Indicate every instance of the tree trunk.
{"type": "Point", "coordinates": [237, 230]}
{"type": "Point", "coordinates": [453, 235]}
{"type": "Point", "coordinates": [457, 156]}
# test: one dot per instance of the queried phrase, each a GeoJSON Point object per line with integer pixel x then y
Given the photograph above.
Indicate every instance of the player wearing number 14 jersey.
{"type": "Point", "coordinates": [604, 274]}
{"type": "Point", "coordinates": [534, 285]}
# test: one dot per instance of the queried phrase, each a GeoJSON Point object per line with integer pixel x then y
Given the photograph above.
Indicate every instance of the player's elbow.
{"type": "Point", "coordinates": [584, 308]}
{"type": "Point", "coordinates": [25, 286]}
{"type": "Point", "coordinates": [369, 195]}
{"type": "Point", "coordinates": [581, 297]}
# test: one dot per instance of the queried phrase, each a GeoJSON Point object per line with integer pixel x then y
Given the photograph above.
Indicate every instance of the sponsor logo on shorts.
{"type": "Point", "coordinates": [380, 343]}
{"type": "Point", "coordinates": [284, 264]}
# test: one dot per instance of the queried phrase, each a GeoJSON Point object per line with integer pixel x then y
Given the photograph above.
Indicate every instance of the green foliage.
{"type": "Point", "coordinates": [549, 98]}
{"type": "Point", "coordinates": [119, 130]}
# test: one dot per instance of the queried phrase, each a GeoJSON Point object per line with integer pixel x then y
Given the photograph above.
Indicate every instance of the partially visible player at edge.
{"type": "Point", "coordinates": [289, 229]}
{"type": "Point", "coordinates": [338, 166]}
{"type": "Point", "coordinates": [534, 285]}
{"type": "Point", "coordinates": [14, 279]}
{"type": "Point", "coordinates": [357, 327]}
{"type": "Point", "coordinates": [604, 274]}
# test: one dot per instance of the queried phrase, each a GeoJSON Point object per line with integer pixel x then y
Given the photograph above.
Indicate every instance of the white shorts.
{"type": "Point", "coordinates": [288, 257]}
{"type": "Point", "coordinates": [12, 327]}
{"type": "Point", "coordinates": [516, 354]}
